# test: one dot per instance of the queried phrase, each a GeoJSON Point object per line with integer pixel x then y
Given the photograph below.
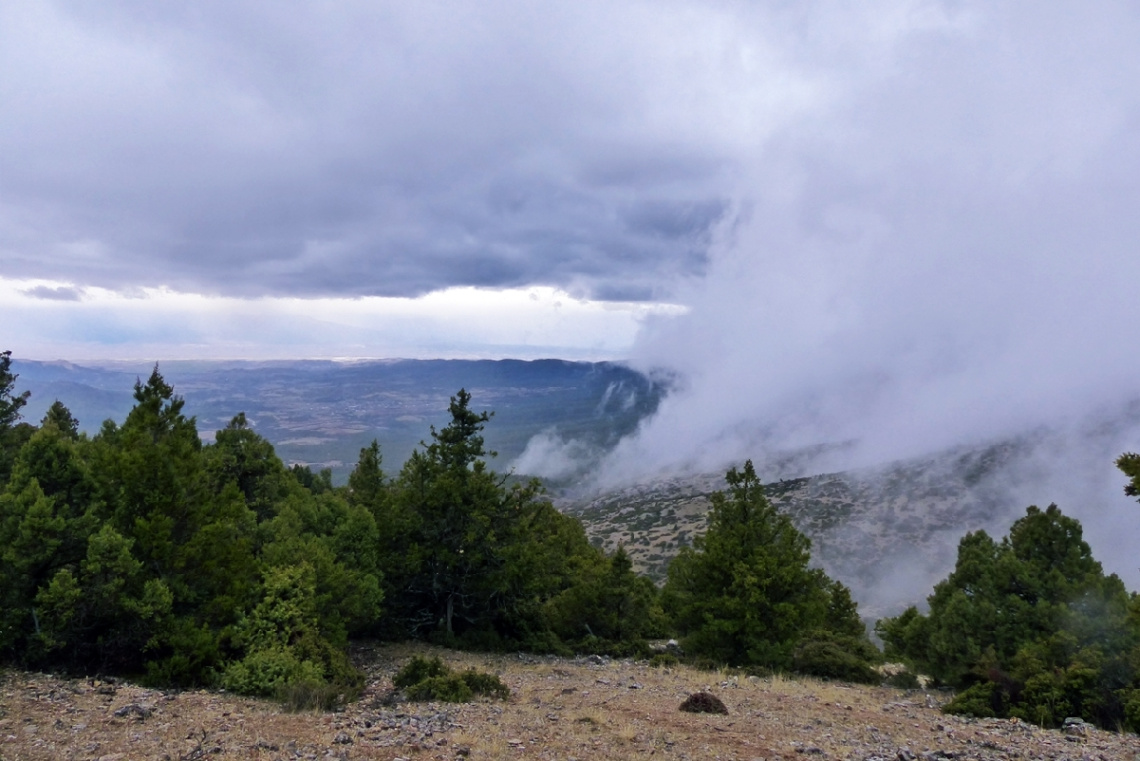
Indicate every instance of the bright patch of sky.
{"type": "Point", "coordinates": [52, 320]}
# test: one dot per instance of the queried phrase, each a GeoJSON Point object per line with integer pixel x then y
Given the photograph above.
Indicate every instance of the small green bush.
{"type": "Point", "coordinates": [485, 684]}
{"type": "Point", "coordinates": [545, 642]}
{"type": "Point", "coordinates": [417, 670]}
{"type": "Point", "coordinates": [983, 700]}
{"type": "Point", "coordinates": [431, 679]}
{"type": "Point", "coordinates": [289, 673]}
{"type": "Point", "coordinates": [903, 680]}
{"type": "Point", "coordinates": [828, 658]}
{"type": "Point", "coordinates": [447, 689]}
{"type": "Point", "coordinates": [265, 672]}
{"type": "Point", "coordinates": [193, 657]}
{"type": "Point", "coordinates": [660, 660]}
{"type": "Point", "coordinates": [704, 702]}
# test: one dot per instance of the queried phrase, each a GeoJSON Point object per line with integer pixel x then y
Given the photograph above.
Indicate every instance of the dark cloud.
{"type": "Point", "coordinates": [62, 293]}
{"type": "Point", "coordinates": [387, 149]}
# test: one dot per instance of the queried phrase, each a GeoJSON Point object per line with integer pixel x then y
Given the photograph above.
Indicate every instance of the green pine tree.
{"type": "Point", "coordinates": [13, 434]}
{"type": "Point", "coordinates": [744, 593]}
{"type": "Point", "coordinates": [1029, 627]}
{"type": "Point", "coordinates": [241, 456]}
{"type": "Point", "coordinates": [479, 559]}
{"type": "Point", "coordinates": [1129, 464]}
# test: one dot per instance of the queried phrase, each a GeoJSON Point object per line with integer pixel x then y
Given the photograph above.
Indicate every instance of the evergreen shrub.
{"type": "Point", "coordinates": [431, 679]}
{"type": "Point", "coordinates": [417, 670]}
{"type": "Point", "coordinates": [835, 657]}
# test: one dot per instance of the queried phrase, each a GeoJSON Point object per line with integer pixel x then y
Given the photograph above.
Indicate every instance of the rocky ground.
{"type": "Point", "coordinates": [588, 708]}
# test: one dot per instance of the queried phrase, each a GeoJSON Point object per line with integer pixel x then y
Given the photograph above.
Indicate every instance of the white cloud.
{"type": "Point", "coordinates": [549, 455]}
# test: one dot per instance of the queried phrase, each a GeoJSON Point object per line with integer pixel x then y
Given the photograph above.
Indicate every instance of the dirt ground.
{"type": "Point", "coordinates": [588, 708]}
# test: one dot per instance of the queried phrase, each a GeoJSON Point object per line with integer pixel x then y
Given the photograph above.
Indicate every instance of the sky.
{"type": "Point", "coordinates": [166, 168]}
{"type": "Point", "coordinates": [911, 224]}
{"type": "Point", "coordinates": [509, 179]}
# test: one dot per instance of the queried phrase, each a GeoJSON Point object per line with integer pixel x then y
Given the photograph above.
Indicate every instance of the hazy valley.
{"type": "Point", "coordinates": [321, 413]}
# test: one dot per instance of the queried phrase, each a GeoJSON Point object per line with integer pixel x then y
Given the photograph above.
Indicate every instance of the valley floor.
{"type": "Point", "coordinates": [589, 708]}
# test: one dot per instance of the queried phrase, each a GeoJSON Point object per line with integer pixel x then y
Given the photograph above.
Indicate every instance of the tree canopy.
{"type": "Point", "coordinates": [142, 550]}
{"type": "Point", "coordinates": [11, 437]}
{"type": "Point", "coordinates": [473, 560]}
{"type": "Point", "coordinates": [1129, 464]}
{"type": "Point", "coordinates": [1028, 627]}
{"type": "Point", "coordinates": [10, 403]}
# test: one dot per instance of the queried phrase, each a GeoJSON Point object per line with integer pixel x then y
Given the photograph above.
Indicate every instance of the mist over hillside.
{"type": "Point", "coordinates": [886, 523]}
{"type": "Point", "coordinates": [890, 531]}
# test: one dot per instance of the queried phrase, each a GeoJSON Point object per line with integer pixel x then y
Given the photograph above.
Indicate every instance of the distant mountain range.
{"type": "Point", "coordinates": [321, 413]}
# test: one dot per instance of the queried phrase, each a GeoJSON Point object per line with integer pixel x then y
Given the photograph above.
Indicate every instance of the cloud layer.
{"type": "Point", "coordinates": [388, 149]}
{"type": "Point", "coordinates": [907, 223]}
{"type": "Point", "coordinates": [92, 324]}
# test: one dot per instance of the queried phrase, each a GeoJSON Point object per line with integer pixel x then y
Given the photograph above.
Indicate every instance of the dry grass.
{"type": "Point", "coordinates": [559, 709]}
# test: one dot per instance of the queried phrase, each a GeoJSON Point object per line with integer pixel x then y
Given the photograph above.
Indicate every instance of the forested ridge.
{"type": "Point", "coordinates": [142, 551]}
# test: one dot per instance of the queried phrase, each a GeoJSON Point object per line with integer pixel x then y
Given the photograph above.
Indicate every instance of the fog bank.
{"type": "Point", "coordinates": [942, 252]}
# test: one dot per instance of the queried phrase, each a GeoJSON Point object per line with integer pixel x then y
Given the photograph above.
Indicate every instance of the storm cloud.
{"type": "Point", "coordinates": [390, 149]}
